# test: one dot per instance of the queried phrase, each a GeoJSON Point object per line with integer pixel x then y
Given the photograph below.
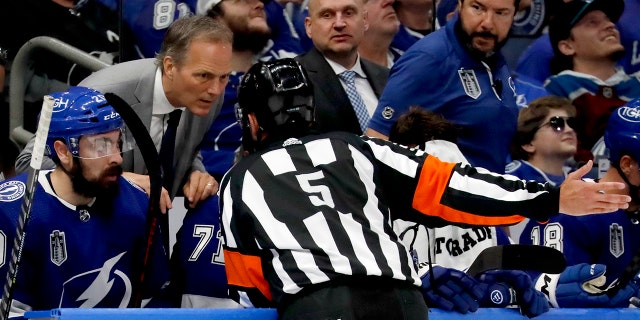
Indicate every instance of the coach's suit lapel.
{"type": "Point", "coordinates": [333, 108]}
{"type": "Point", "coordinates": [144, 110]}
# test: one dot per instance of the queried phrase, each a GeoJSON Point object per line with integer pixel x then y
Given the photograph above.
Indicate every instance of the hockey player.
{"type": "Point", "coordinates": [197, 264]}
{"type": "Point", "coordinates": [87, 231]}
{"type": "Point", "coordinates": [597, 244]}
{"type": "Point", "coordinates": [306, 219]}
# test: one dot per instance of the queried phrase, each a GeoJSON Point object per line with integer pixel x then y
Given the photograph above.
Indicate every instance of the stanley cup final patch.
{"type": "Point", "coordinates": [57, 247]}
{"type": "Point", "coordinates": [616, 242]}
{"type": "Point", "coordinates": [470, 83]}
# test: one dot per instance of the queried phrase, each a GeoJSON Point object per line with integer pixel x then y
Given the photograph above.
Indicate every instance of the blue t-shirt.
{"type": "Point", "coordinates": [438, 74]}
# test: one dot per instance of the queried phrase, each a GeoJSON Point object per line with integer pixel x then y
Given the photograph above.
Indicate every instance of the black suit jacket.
{"type": "Point", "coordinates": [333, 108]}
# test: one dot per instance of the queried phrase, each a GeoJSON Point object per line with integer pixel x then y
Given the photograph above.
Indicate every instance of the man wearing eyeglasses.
{"type": "Point", "coordinates": [459, 72]}
{"type": "Point", "coordinates": [586, 45]}
{"type": "Point", "coordinates": [87, 232]}
{"type": "Point", "coordinates": [602, 250]}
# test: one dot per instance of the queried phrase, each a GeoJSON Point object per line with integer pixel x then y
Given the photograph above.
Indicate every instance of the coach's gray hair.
{"type": "Point", "coordinates": [181, 32]}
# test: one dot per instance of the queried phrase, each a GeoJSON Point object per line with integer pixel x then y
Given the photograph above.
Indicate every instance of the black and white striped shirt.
{"type": "Point", "coordinates": [317, 209]}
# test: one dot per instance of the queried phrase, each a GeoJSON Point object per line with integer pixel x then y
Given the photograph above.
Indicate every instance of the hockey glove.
{"type": "Point", "coordinates": [578, 286]}
{"type": "Point", "coordinates": [507, 287]}
{"type": "Point", "coordinates": [623, 298]}
{"type": "Point", "coordinates": [450, 289]}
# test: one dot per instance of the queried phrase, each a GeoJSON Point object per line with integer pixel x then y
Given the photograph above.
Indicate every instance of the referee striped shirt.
{"type": "Point", "coordinates": [312, 210]}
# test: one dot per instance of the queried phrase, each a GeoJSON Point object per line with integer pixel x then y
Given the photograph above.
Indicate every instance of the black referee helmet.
{"type": "Point", "coordinates": [280, 95]}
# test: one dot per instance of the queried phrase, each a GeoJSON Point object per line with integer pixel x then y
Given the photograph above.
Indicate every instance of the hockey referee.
{"type": "Point", "coordinates": [306, 219]}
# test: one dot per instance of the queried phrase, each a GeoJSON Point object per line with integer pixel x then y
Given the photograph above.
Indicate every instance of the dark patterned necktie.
{"type": "Point", "coordinates": [167, 149]}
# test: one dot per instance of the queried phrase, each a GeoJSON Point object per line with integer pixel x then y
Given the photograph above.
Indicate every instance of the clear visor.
{"type": "Point", "coordinates": [106, 144]}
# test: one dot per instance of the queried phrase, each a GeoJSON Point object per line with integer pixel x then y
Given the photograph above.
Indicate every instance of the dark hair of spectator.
{"type": "Point", "coordinates": [531, 118]}
{"type": "Point", "coordinates": [419, 125]}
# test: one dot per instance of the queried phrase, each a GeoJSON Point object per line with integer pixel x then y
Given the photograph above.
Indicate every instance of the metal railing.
{"type": "Point", "coordinates": [17, 85]}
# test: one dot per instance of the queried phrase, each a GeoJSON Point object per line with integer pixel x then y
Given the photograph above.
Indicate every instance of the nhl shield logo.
{"type": "Point", "coordinates": [57, 247]}
{"type": "Point", "coordinates": [388, 112]}
{"type": "Point", "coordinates": [616, 244]}
{"type": "Point", "coordinates": [470, 83]}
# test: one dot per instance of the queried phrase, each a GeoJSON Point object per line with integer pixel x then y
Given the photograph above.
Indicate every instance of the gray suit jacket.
{"type": "Point", "coordinates": [334, 111]}
{"type": "Point", "coordinates": [133, 81]}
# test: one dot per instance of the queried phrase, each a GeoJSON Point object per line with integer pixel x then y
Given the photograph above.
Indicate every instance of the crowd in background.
{"type": "Point", "coordinates": [536, 89]}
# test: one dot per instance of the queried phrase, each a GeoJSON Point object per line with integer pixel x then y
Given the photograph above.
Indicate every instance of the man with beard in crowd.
{"type": "Point", "coordinates": [87, 231]}
{"type": "Point", "coordinates": [459, 72]}
{"type": "Point", "coordinates": [198, 276]}
{"type": "Point", "coordinates": [247, 21]}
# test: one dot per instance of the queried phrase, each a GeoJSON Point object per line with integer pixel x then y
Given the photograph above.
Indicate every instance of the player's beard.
{"type": "Point", "coordinates": [101, 187]}
{"type": "Point", "coordinates": [247, 38]}
{"type": "Point", "coordinates": [254, 41]}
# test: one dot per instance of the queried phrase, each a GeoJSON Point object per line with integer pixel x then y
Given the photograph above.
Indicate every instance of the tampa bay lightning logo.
{"type": "Point", "coordinates": [106, 287]}
{"type": "Point", "coordinates": [529, 22]}
{"type": "Point", "coordinates": [12, 190]}
{"type": "Point", "coordinates": [630, 114]}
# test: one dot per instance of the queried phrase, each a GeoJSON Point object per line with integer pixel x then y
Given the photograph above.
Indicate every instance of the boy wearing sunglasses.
{"type": "Point", "coordinates": [544, 141]}
{"type": "Point", "coordinates": [594, 244]}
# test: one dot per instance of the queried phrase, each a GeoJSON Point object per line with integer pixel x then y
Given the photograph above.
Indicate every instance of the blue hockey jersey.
{"type": "Point", "coordinates": [199, 276]}
{"type": "Point", "coordinates": [609, 239]}
{"type": "Point", "coordinates": [80, 257]}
